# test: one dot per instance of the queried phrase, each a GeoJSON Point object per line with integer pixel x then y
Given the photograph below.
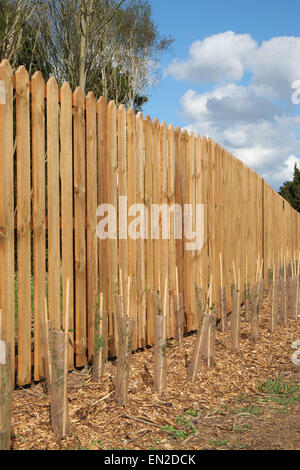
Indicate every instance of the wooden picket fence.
{"type": "Point", "coordinates": [62, 154]}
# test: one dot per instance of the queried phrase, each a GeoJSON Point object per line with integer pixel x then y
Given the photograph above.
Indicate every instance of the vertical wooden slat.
{"type": "Point", "coordinates": [38, 209]}
{"type": "Point", "coordinates": [53, 204]}
{"type": "Point", "coordinates": [198, 200]}
{"type": "Point", "coordinates": [185, 194]}
{"type": "Point", "coordinates": [192, 253]}
{"type": "Point", "coordinates": [66, 172]}
{"type": "Point", "coordinates": [80, 221]}
{"type": "Point", "coordinates": [7, 291]}
{"type": "Point", "coordinates": [91, 218]}
{"type": "Point", "coordinates": [23, 221]}
{"type": "Point", "coordinates": [164, 200]}
{"type": "Point", "coordinates": [141, 244]}
{"type": "Point", "coordinates": [203, 200]}
{"type": "Point", "coordinates": [102, 197]}
{"type": "Point", "coordinates": [172, 242]}
{"type": "Point", "coordinates": [156, 200]}
{"type": "Point", "coordinates": [148, 130]}
{"type": "Point", "coordinates": [179, 201]}
{"type": "Point", "coordinates": [122, 184]}
{"type": "Point", "coordinates": [131, 152]}
{"type": "Point", "coordinates": [112, 198]}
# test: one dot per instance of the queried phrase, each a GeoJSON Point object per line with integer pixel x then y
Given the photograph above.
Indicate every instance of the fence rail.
{"type": "Point", "coordinates": [62, 154]}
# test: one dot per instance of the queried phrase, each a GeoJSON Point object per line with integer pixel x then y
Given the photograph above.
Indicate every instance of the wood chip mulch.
{"type": "Point", "coordinates": [97, 422]}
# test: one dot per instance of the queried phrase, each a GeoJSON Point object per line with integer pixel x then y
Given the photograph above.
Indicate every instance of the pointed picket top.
{"type": "Point", "coordinates": [139, 115]}
{"type": "Point", "coordinates": [121, 113]}
{"type": "Point", "coordinates": [90, 96]}
{"type": "Point", "coordinates": [140, 120]}
{"type": "Point", "coordinates": [177, 132]}
{"type": "Point", "coordinates": [130, 113]}
{"type": "Point", "coordinates": [121, 108]}
{"type": "Point", "coordinates": [171, 128]}
{"type": "Point", "coordinates": [6, 85]}
{"type": "Point", "coordinates": [52, 89]}
{"type": "Point", "coordinates": [112, 105]}
{"type": "Point", "coordinates": [6, 65]}
{"type": "Point", "coordinates": [79, 97]}
{"type": "Point", "coordinates": [37, 87]}
{"type": "Point", "coordinates": [22, 71]}
{"type": "Point", "coordinates": [91, 102]}
{"type": "Point", "coordinates": [65, 88]}
{"type": "Point", "coordinates": [102, 101]}
{"type": "Point", "coordinates": [191, 134]}
{"type": "Point", "coordinates": [204, 140]}
{"type": "Point", "coordinates": [52, 83]}
{"type": "Point", "coordinates": [163, 126]}
{"type": "Point", "coordinates": [184, 134]}
{"type": "Point", "coordinates": [38, 79]}
{"type": "Point", "coordinates": [156, 124]}
{"type": "Point", "coordinates": [22, 82]}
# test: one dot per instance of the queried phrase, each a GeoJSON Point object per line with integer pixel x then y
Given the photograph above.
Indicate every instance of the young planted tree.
{"type": "Point", "coordinates": [100, 340]}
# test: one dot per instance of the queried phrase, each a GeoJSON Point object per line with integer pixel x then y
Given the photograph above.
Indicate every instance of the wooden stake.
{"type": "Point", "coordinates": [200, 345]}
{"type": "Point", "coordinates": [160, 355]}
{"type": "Point", "coordinates": [126, 326]}
{"type": "Point", "coordinates": [47, 353]}
{"type": "Point", "coordinates": [178, 302]}
{"type": "Point", "coordinates": [211, 336]}
{"type": "Point", "coordinates": [234, 275]}
{"type": "Point", "coordinates": [59, 406]}
{"type": "Point", "coordinates": [235, 322]}
{"type": "Point", "coordinates": [65, 398]}
{"type": "Point", "coordinates": [100, 340]}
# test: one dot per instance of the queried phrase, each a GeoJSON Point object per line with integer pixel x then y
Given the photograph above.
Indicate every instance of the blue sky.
{"type": "Point", "coordinates": [229, 75]}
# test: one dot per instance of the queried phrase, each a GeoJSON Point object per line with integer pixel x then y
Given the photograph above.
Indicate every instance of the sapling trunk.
{"type": "Point", "coordinates": [199, 348]}
{"type": "Point", "coordinates": [275, 304]}
{"type": "Point", "coordinates": [235, 322]}
{"type": "Point", "coordinates": [254, 313]}
{"type": "Point", "coordinates": [202, 340]}
{"type": "Point", "coordinates": [160, 355]}
{"type": "Point", "coordinates": [211, 338]}
{"type": "Point", "coordinates": [223, 308]}
{"type": "Point", "coordinates": [247, 301]}
{"type": "Point", "coordinates": [100, 340]}
{"type": "Point", "coordinates": [178, 302]}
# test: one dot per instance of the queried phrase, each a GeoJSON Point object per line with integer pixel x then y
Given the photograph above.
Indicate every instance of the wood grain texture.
{"type": "Point", "coordinates": [23, 223]}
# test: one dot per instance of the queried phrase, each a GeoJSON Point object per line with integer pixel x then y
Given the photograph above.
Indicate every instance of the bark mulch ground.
{"type": "Point", "coordinates": [248, 400]}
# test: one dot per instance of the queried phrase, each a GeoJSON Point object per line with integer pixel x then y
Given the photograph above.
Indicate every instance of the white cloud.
{"type": "Point", "coordinates": [256, 122]}
{"type": "Point", "coordinates": [275, 65]}
{"type": "Point", "coordinates": [216, 58]}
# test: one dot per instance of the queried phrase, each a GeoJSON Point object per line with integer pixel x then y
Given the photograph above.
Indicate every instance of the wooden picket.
{"type": "Point", "coordinates": [38, 214]}
{"type": "Point", "coordinates": [53, 204]}
{"type": "Point", "coordinates": [7, 253]}
{"type": "Point", "coordinates": [66, 174]}
{"type": "Point", "coordinates": [79, 227]}
{"type": "Point", "coordinates": [23, 225]}
{"type": "Point", "coordinates": [91, 218]}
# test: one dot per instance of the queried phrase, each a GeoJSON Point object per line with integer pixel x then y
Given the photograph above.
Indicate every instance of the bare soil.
{"type": "Point", "coordinates": [248, 400]}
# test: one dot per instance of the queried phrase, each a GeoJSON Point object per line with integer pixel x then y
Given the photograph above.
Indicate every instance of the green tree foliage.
{"type": "Point", "coordinates": [290, 190]}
